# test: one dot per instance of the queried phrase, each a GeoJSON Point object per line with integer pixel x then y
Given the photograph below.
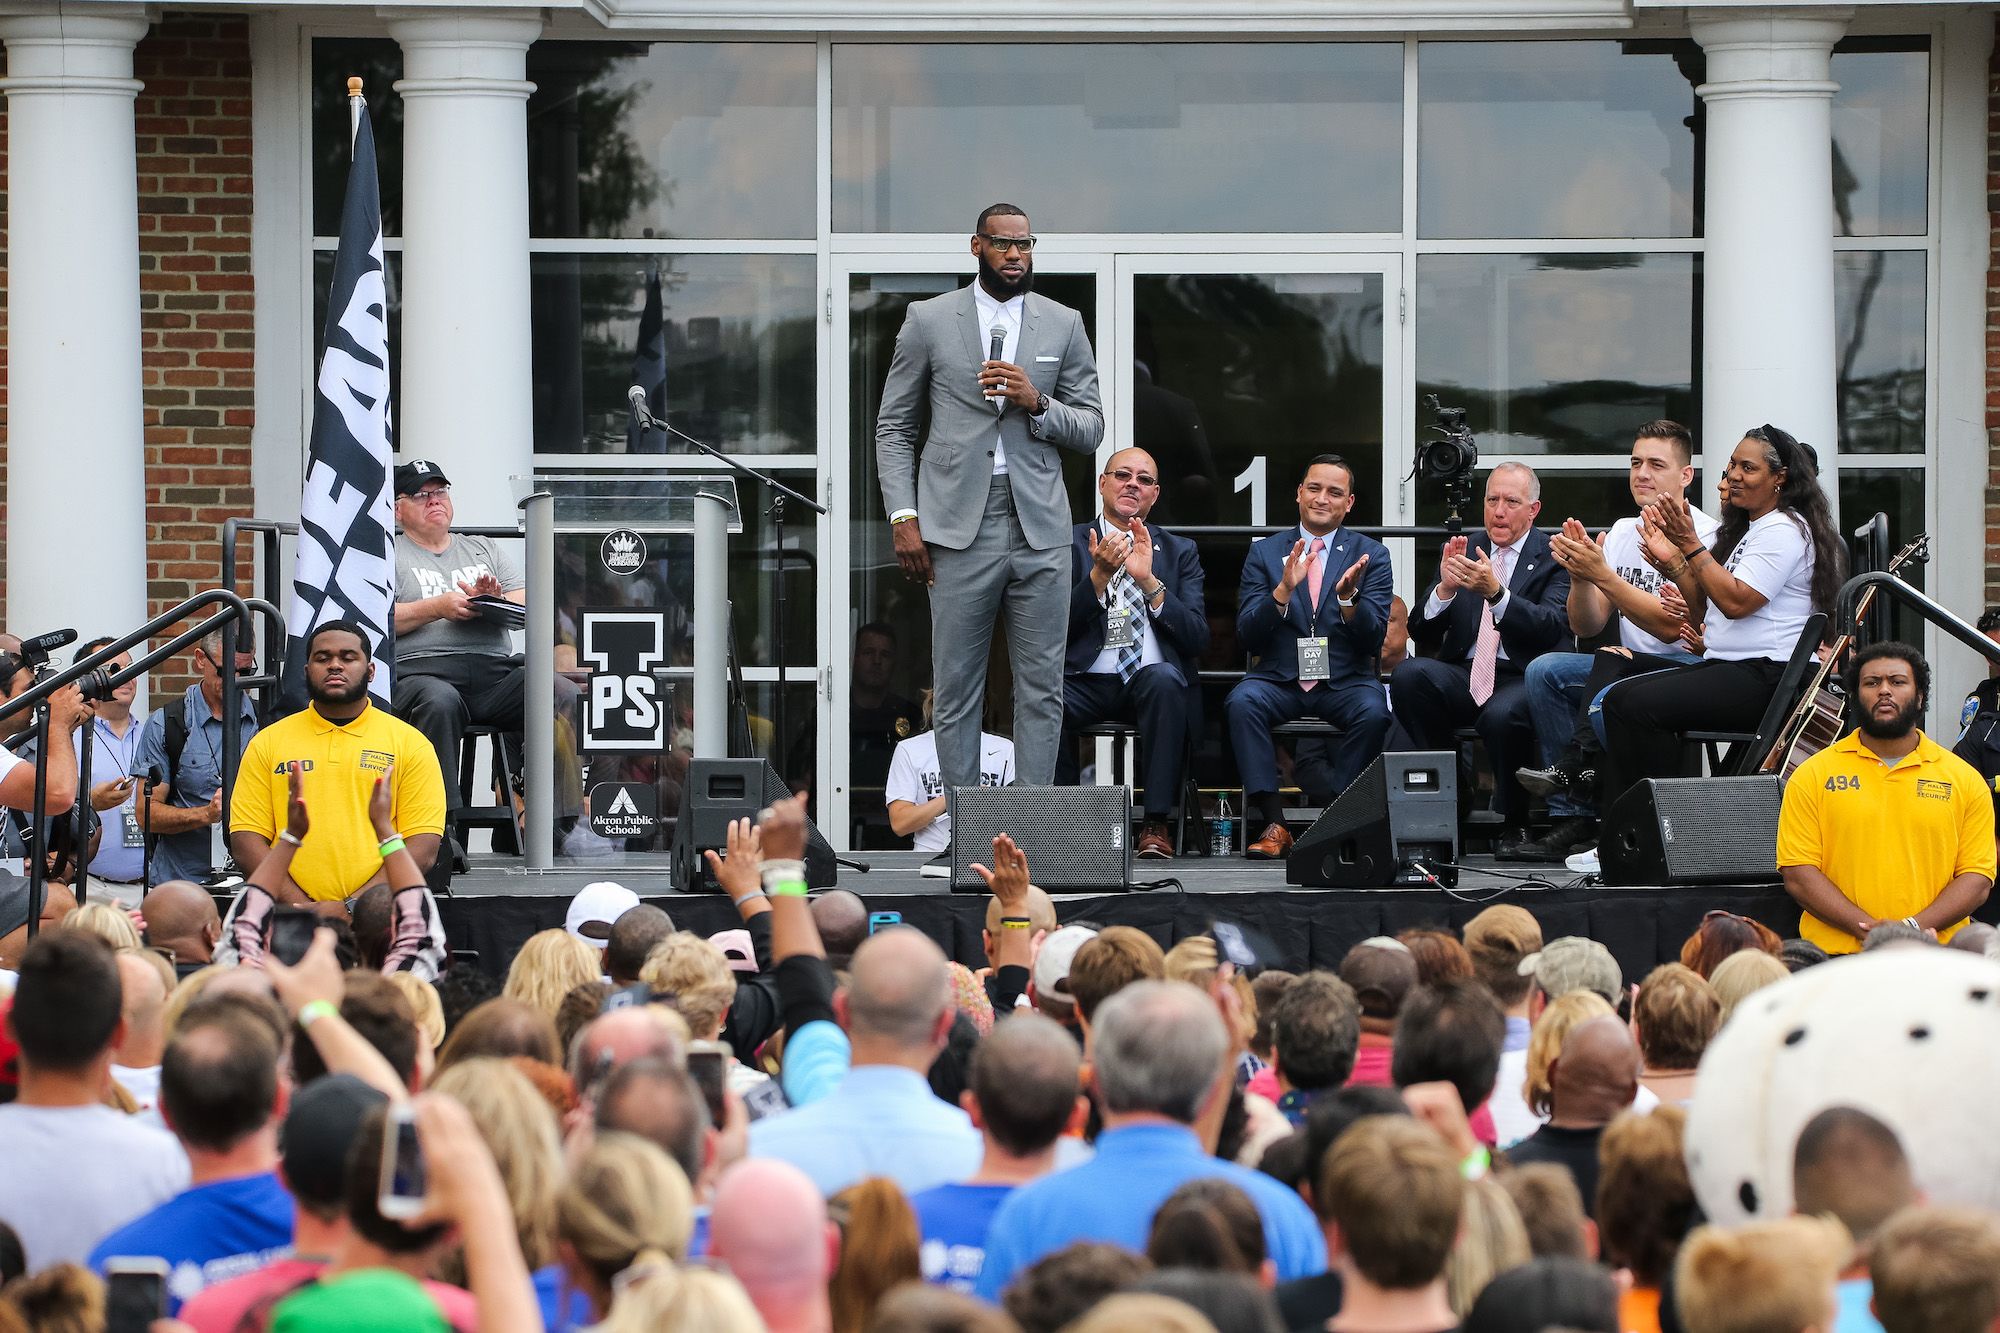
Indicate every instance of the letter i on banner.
{"type": "Point", "coordinates": [346, 567]}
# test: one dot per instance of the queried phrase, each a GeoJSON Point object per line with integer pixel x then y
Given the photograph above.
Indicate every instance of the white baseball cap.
{"type": "Point", "coordinates": [593, 910]}
{"type": "Point", "coordinates": [1051, 973]}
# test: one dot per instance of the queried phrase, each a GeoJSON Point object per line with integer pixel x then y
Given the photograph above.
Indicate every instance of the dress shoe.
{"type": "Point", "coordinates": [1574, 773]}
{"type": "Point", "coordinates": [1272, 846]}
{"type": "Point", "coordinates": [1156, 842]}
{"type": "Point", "coordinates": [1570, 834]}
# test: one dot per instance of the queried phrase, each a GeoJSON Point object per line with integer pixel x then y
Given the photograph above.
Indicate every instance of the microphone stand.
{"type": "Point", "coordinates": [779, 494]}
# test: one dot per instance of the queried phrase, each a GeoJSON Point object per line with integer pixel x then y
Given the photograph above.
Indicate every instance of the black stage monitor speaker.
{"type": "Point", "coordinates": [1078, 839]}
{"type": "Point", "coordinates": [1693, 831]}
{"type": "Point", "coordinates": [1401, 811]}
{"type": "Point", "coordinates": [719, 790]}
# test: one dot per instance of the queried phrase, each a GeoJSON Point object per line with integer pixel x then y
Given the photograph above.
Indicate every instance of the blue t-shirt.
{"type": "Point", "coordinates": [563, 1306]}
{"type": "Point", "coordinates": [1852, 1314]}
{"type": "Point", "coordinates": [207, 1234]}
{"type": "Point", "coordinates": [953, 1220]}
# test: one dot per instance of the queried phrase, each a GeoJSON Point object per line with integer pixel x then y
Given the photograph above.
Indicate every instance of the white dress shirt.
{"type": "Point", "coordinates": [1149, 642]}
{"type": "Point", "coordinates": [1434, 605]}
{"type": "Point", "coordinates": [1007, 315]}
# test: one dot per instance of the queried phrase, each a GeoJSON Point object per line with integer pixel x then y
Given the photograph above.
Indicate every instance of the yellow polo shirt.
{"type": "Point", "coordinates": [1889, 838]}
{"type": "Point", "coordinates": [340, 766]}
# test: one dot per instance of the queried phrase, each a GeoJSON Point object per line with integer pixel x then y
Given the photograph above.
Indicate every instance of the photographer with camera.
{"type": "Point", "coordinates": [20, 829]}
{"type": "Point", "coordinates": [180, 758]}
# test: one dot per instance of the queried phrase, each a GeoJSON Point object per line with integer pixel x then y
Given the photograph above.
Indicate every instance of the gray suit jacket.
{"type": "Point", "coordinates": [938, 355]}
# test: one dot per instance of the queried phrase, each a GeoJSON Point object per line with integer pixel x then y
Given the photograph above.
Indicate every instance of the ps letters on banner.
{"type": "Point", "coordinates": [626, 704]}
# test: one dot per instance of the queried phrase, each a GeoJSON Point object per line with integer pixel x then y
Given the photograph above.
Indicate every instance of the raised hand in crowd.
{"type": "Point", "coordinates": [311, 991]}
{"type": "Point", "coordinates": [1008, 880]}
{"type": "Point", "coordinates": [1438, 1106]}
{"type": "Point", "coordinates": [739, 872]}
{"type": "Point", "coordinates": [1449, 565]}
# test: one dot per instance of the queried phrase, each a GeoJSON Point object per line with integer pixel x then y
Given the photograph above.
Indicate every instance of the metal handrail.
{"type": "Point", "coordinates": [1917, 600]}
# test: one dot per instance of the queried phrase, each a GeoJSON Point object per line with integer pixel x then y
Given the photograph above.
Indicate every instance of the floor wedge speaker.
{"type": "Point", "coordinates": [1693, 831]}
{"type": "Point", "coordinates": [1078, 839]}
{"type": "Point", "coordinates": [719, 790]}
{"type": "Point", "coordinates": [1401, 812]}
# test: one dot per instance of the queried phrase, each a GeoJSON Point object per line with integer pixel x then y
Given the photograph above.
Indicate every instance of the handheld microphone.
{"type": "Point", "coordinates": [994, 348]}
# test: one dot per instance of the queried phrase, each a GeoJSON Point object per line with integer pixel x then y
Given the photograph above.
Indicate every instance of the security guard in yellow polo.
{"type": "Point", "coordinates": [345, 743]}
{"type": "Point", "coordinates": [1885, 824]}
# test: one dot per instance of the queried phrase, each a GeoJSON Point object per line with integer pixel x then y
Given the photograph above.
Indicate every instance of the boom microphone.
{"type": "Point", "coordinates": [44, 644]}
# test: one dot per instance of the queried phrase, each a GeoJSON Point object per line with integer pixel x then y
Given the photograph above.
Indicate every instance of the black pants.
{"type": "Point", "coordinates": [1432, 699]}
{"type": "Point", "coordinates": [1645, 716]}
{"type": "Point", "coordinates": [1157, 702]}
{"type": "Point", "coordinates": [444, 694]}
{"type": "Point", "coordinates": [1608, 668]}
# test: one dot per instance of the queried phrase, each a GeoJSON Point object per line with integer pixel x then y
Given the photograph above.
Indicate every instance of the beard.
{"type": "Point", "coordinates": [319, 694]}
{"type": "Point", "coordinates": [1895, 728]}
{"type": "Point", "coordinates": [1005, 287]}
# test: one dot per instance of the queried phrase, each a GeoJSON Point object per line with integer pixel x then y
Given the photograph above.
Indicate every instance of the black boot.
{"type": "Point", "coordinates": [1575, 774]}
{"type": "Point", "coordinates": [1571, 832]}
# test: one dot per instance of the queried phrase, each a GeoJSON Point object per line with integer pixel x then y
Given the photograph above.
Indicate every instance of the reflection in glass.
{"type": "Point", "coordinates": [1596, 498]}
{"type": "Point", "coordinates": [1881, 136]}
{"type": "Point", "coordinates": [882, 596]}
{"type": "Point", "coordinates": [1899, 493]}
{"type": "Point", "coordinates": [735, 333]}
{"type": "Point", "coordinates": [378, 62]}
{"type": "Point", "coordinates": [1879, 308]}
{"type": "Point", "coordinates": [392, 281]}
{"type": "Point", "coordinates": [1557, 139]}
{"type": "Point", "coordinates": [1123, 136]}
{"type": "Point", "coordinates": [1244, 370]}
{"type": "Point", "coordinates": [683, 139]}
{"type": "Point", "coordinates": [1560, 354]}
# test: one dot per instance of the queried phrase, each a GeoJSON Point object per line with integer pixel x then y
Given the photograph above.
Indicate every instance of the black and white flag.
{"type": "Point", "coordinates": [346, 567]}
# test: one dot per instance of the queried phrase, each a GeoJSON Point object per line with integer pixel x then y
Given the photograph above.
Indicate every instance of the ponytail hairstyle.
{"type": "Point", "coordinates": [1801, 496]}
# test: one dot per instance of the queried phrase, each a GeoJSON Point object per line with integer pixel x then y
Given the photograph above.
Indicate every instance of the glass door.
{"type": "Point", "coordinates": [879, 654]}
{"type": "Point", "coordinates": [1238, 370]}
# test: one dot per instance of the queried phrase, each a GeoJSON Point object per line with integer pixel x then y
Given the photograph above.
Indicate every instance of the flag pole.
{"type": "Point", "coordinates": [354, 103]}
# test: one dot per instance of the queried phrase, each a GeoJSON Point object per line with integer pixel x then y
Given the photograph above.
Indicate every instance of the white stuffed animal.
{"type": "Point", "coordinates": [1909, 1034]}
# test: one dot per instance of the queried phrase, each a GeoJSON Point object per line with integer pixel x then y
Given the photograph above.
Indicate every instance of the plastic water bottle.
{"type": "Point", "coordinates": [1222, 833]}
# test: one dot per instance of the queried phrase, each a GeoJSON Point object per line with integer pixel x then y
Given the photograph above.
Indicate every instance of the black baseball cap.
{"type": "Point", "coordinates": [324, 1118]}
{"type": "Point", "coordinates": [414, 475]}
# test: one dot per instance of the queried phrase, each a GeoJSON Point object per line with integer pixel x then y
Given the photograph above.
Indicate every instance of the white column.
{"type": "Point", "coordinates": [75, 423]}
{"type": "Point", "coordinates": [1767, 274]}
{"type": "Point", "coordinates": [466, 388]}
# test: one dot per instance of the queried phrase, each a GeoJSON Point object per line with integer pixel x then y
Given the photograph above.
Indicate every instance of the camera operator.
{"type": "Point", "coordinates": [67, 711]}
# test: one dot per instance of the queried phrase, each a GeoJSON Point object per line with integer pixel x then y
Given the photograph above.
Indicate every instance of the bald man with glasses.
{"type": "Point", "coordinates": [1137, 630]}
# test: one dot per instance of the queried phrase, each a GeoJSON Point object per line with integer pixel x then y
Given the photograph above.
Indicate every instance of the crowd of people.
{"type": "Point", "coordinates": [808, 1124]}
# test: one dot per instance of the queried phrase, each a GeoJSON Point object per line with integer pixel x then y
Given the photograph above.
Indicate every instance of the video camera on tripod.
{"type": "Point", "coordinates": [1449, 459]}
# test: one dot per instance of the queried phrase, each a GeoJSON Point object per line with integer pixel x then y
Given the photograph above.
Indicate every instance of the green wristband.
{"type": "Point", "coordinates": [791, 888]}
{"type": "Point", "coordinates": [391, 847]}
{"type": "Point", "coordinates": [313, 1010]}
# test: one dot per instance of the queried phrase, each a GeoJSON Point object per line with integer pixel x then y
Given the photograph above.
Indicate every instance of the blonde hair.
{"type": "Point", "coordinates": [1141, 1312]}
{"type": "Point", "coordinates": [1545, 1043]}
{"type": "Point", "coordinates": [1491, 1240]}
{"type": "Point", "coordinates": [424, 1003]}
{"type": "Point", "coordinates": [697, 975]}
{"type": "Point", "coordinates": [670, 1297]}
{"type": "Point", "coordinates": [62, 1298]}
{"type": "Point", "coordinates": [550, 965]}
{"type": "Point", "coordinates": [625, 1198]}
{"type": "Point", "coordinates": [1775, 1277]}
{"type": "Point", "coordinates": [108, 923]}
{"type": "Point", "coordinates": [160, 965]}
{"type": "Point", "coordinates": [1194, 960]}
{"type": "Point", "coordinates": [1741, 975]}
{"type": "Point", "coordinates": [520, 1129]}
{"type": "Point", "coordinates": [186, 993]}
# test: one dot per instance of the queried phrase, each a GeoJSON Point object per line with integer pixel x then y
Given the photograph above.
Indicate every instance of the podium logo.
{"type": "Point", "coordinates": [623, 551]}
{"type": "Point", "coordinates": [625, 705]}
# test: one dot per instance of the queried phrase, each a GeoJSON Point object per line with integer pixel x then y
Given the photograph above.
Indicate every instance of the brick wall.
{"type": "Point", "coordinates": [196, 303]}
{"type": "Point", "coordinates": [1993, 330]}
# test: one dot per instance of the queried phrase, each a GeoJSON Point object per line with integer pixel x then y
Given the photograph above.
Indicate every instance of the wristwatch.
{"type": "Point", "coordinates": [1041, 405]}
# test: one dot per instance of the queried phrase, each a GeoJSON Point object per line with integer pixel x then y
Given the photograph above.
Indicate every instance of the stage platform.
{"type": "Point", "coordinates": [496, 906]}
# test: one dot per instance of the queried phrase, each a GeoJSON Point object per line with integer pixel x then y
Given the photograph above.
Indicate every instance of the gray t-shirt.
{"type": "Point", "coordinates": [420, 574]}
{"type": "Point", "coordinates": [72, 1175]}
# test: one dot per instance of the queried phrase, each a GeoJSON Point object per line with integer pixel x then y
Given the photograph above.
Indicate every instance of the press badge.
{"type": "Point", "coordinates": [132, 834]}
{"type": "Point", "coordinates": [1121, 629]}
{"type": "Point", "coordinates": [1313, 663]}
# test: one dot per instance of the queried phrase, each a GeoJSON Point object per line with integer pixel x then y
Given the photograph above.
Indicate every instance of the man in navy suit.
{"type": "Point", "coordinates": [1311, 613]}
{"type": "Point", "coordinates": [1498, 603]}
{"type": "Point", "coordinates": [1137, 629]}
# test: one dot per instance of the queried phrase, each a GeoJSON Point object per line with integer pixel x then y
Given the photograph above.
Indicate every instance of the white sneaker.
{"type": "Point", "coordinates": [938, 867]}
{"type": "Point", "coordinates": [1584, 862]}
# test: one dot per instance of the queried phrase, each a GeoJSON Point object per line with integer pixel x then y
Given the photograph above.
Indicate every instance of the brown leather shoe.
{"type": "Point", "coordinates": [1156, 843]}
{"type": "Point", "coordinates": [1277, 840]}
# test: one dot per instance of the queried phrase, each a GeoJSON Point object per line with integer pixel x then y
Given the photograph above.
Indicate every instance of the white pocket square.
{"type": "Point", "coordinates": [1048, 358]}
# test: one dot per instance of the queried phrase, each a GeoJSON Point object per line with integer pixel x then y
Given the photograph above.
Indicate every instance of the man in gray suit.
{"type": "Point", "coordinates": [982, 517]}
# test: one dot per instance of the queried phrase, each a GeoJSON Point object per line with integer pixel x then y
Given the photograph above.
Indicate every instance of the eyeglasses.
{"type": "Point", "coordinates": [1126, 474]}
{"type": "Point", "coordinates": [429, 493]}
{"type": "Point", "coordinates": [1004, 243]}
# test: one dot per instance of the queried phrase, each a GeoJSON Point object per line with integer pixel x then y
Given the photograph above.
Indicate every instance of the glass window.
{"type": "Point", "coordinates": [378, 62]}
{"type": "Point", "coordinates": [1881, 137]}
{"type": "Point", "coordinates": [392, 282]}
{"type": "Point", "coordinates": [1899, 493]}
{"type": "Point", "coordinates": [1121, 137]}
{"type": "Point", "coordinates": [735, 334]}
{"type": "Point", "coordinates": [1558, 354]}
{"type": "Point", "coordinates": [1556, 139]}
{"type": "Point", "coordinates": [682, 139]}
{"type": "Point", "coordinates": [1597, 498]}
{"type": "Point", "coordinates": [1254, 370]}
{"type": "Point", "coordinates": [1879, 304]}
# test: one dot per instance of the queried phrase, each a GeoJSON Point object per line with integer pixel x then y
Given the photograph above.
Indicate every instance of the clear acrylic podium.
{"type": "Point", "coordinates": [651, 504]}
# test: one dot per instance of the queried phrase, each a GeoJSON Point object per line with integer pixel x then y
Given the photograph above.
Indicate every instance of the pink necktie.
{"type": "Point", "coordinates": [1486, 652]}
{"type": "Point", "coordinates": [1317, 554]}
